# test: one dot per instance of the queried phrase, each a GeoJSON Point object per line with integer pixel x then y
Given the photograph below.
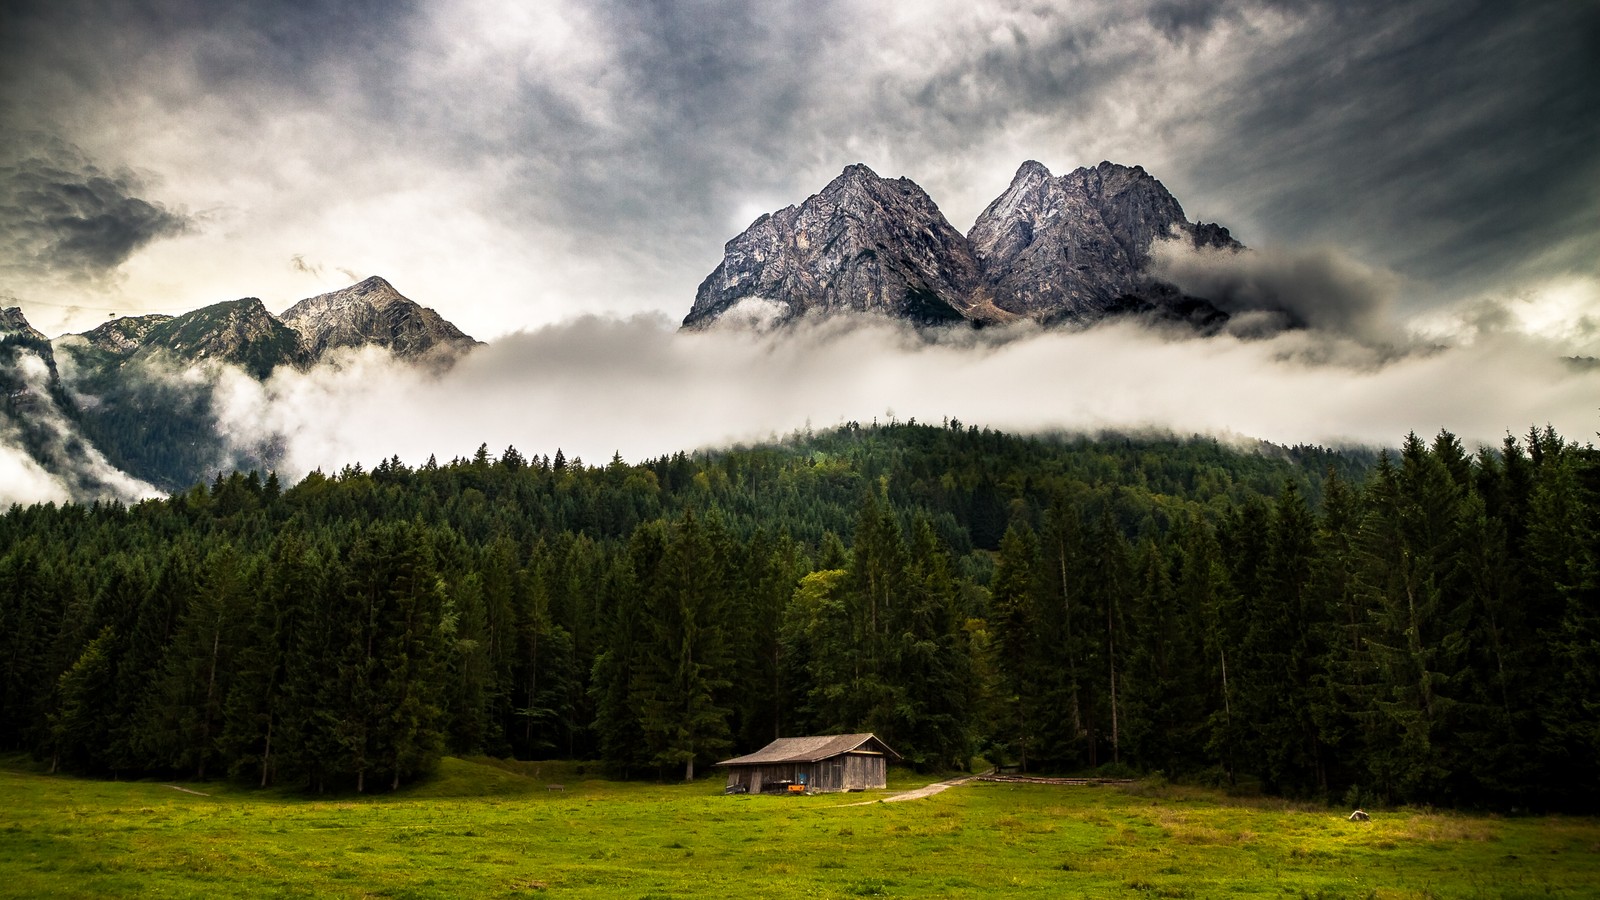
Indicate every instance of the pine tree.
{"type": "Point", "coordinates": [1565, 553]}
{"type": "Point", "coordinates": [31, 608]}
{"type": "Point", "coordinates": [1279, 651]}
{"type": "Point", "coordinates": [79, 726]}
{"type": "Point", "coordinates": [142, 739]}
{"type": "Point", "coordinates": [1111, 579]}
{"type": "Point", "coordinates": [622, 634]}
{"type": "Point", "coordinates": [679, 686]}
{"type": "Point", "coordinates": [195, 682]}
{"type": "Point", "coordinates": [1205, 589]}
{"type": "Point", "coordinates": [1345, 684]}
{"type": "Point", "coordinates": [877, 584]}
{"type": "Point", "coordinates": [259, 697]}
{"type": "Point", "coordinates": [1163, 698]}
{"type": "Point", "coordinates": [819, 654]}
{"type": "Point", "coordinates": [1015, 625]}
{"type": "Point", "coordinates": [932, 721]}
{"type": "Point", "coordinates": [1065, 633]}
{"type": "Point", "coordinates": [411, 654]}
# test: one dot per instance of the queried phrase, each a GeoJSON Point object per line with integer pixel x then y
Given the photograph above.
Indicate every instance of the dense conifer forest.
{"type": "Point", "coordinates": [1415, 626]}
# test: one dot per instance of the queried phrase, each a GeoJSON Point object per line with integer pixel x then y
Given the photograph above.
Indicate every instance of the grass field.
{"type": "Point", "coordinates": [490, 829]}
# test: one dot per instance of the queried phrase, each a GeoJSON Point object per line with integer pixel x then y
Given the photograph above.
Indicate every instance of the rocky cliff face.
{"type": "Point", "coordinates": [28, 373]}
{"type": "Point", "coordinates": [14, 323]}
{"type": "Point", "coordinates": [862, 244]}
{"type": "Point", "coordinates": [1070, 248]}
{"type": "Point", "coordinates": [372, 312]}
{"type": "Point", "coordinates": [30, 384]}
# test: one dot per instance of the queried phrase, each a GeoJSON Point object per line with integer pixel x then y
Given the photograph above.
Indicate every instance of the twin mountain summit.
{"type": "Point", "coordinates": [1058, 250]}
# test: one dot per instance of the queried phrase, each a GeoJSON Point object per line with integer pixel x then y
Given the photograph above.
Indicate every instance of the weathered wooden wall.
{"type": "Point", "coordinates": [755, 778]}
{"type": "Point", "coordinates": [847, 772]}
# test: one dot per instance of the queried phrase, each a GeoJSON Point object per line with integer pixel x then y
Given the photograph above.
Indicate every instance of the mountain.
{"type": "Point", "coordinates": [45, 454]}
{"type": "Point", "coordinates": [373, 313]}
{"type": "Point", "coordinates": [136, 398]}
{"type": "Point", "coordinates": [863, 243]}
{"type": "Point", "coordinates": [1072, 248]}
{"type": "Point", "coordinates": [14, 326]}
{"type": "Point", "coordinates": [240, 332]}
{"type": "Point", "coordinates": [138, 394]}
{"type": "Point", "coordinates": [1067, 249]}
{"type": "Point", "coordinates": [121, 337]}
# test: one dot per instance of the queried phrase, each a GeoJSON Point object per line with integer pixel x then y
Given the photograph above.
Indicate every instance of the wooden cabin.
{"type": "Point", "coordinates": [822, 764]}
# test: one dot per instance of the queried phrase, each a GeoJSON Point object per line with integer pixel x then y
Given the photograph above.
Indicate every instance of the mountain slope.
{"type": "Point", "coordinates": [121, 337]}
{"type": "Point", "coordinates": [863, 244]}
{"type": "Point", "coordinates": [240, 332]}
{"type": "Point", "coordinates": [1072, 248]}
{"type": "Point", "coordinates": [45, 453]}
{"type": "Point", "coordinates": [144, 389]}
{"type": "Point", "coordinates": [373, 313]}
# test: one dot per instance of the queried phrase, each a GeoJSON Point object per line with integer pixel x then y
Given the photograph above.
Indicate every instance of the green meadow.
{"type": "Point", "coordinates": [482, 828]}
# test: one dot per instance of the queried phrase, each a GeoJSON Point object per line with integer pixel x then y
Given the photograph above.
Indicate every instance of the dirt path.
{"type": "Point", "coordinates": [920, 792]}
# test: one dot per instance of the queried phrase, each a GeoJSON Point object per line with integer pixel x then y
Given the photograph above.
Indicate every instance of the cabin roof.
{"type": "Point", "coordinates": [808, 749]}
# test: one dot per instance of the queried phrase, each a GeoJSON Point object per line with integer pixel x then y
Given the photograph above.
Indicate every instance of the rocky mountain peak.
{"type": "Point", "coordinates": [862, 244]}
{"type": "Point", "coordinates": [1031, 176]}
{"type": "Point", "coordinates": [857, 172]}
{"type": "Point", "coordinates": [372, 312]}
{"type": "Point", "coordinates": [13, 322]}
{"type": "Point", "coordinates": [1073, 247]}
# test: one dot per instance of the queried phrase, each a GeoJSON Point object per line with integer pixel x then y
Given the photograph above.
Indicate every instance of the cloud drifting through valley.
{"type": "Point", "coordinates": [596, 385]}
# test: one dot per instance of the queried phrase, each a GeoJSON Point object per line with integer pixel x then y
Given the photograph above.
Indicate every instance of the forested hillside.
{"type": "Point", "coordinates": [1417, 626]}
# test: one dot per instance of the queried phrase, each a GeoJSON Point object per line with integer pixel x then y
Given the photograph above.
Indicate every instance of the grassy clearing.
{"type": "Point", "coordinates": [489, 828]}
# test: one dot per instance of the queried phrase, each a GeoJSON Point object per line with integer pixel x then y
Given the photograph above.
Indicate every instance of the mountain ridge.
{"type": "Point", "coordinates": [1055, 249]}
{"type": "Point", "coordinates": [122, 414]}
{"type": "Point", "coordinates": [372, 313]}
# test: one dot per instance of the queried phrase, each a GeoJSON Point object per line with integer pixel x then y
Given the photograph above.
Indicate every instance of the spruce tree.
{"type": "Point", "coordinates": [680, 685]}
{"type": "Point", "coordinates": [1014, 621]}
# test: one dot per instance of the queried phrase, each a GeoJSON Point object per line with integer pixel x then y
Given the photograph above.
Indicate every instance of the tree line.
{"type": "Point", "coordinates": [1414, 626]}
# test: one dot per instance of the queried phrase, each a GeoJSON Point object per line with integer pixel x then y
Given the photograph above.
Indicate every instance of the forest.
{"type": "Point", "coordinates": [1420, 625]}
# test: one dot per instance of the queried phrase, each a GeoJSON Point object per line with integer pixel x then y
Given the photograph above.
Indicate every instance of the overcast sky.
{"type": "Point", "coordinates": [518, 164]}
{"type": "Point", "coordinates": [1421, 181]}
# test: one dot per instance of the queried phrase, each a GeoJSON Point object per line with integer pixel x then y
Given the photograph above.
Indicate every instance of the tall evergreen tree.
{"type": "Point", "coordinates": [259, 697]}
{"type": "Point", "coordinates": [679, 687]}
{"type": "Point", "coordinates": [932, 720]}
{"type": "Point", "coordinates": [1016, 626]}
{"type": "Point", "coordinates": [1163, 683]}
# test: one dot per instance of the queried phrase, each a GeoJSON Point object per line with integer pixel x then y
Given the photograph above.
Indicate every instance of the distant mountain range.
{"type": "Point", "coordinates": [242, 332]}
{"type": "Point", "coordinates": [119, 411]}
{"type": "Point", "coordinates": [109, 413]}
{"type": "Point", "coordinates": [1067, 249]}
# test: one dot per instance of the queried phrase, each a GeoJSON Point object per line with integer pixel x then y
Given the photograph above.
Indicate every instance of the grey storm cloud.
{"type": "Point", "coordinates": [62, 214]}
{"type": "Point", "coordinates": [1319, 288]}
{"type": "Point", "coordinates": [1451, 141]}
{"type": "Point", "coordinates": [228, 42]}
{"type": "Point", "coordinates": [524, 164]}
